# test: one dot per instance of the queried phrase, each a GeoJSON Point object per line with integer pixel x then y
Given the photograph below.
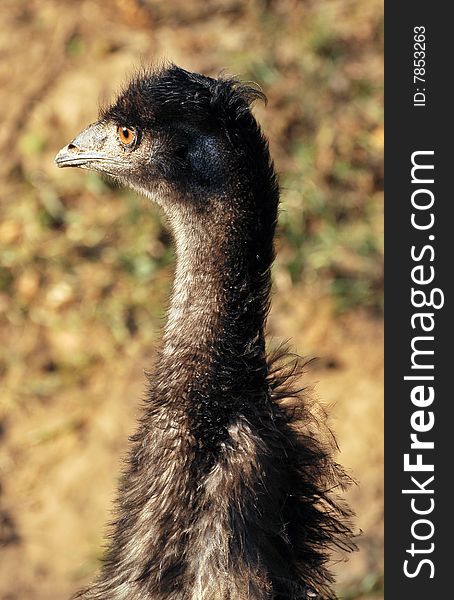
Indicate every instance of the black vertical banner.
{"type": "Point", "coordinates": [419, 327]}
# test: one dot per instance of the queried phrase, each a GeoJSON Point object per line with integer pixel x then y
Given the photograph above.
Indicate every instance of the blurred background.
{"type": "Point", "coordinates": [85, 268]}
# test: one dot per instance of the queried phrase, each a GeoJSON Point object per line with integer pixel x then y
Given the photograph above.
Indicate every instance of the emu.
{"type": "Point", "coordinates": [227, 492]}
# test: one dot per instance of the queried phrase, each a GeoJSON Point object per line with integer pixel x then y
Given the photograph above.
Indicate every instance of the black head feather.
{"type": "Point", "coordinates": [174, 94]}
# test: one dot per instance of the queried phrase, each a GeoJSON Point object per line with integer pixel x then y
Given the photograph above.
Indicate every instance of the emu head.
{"type": "Point", "coordinates": [177, 137]}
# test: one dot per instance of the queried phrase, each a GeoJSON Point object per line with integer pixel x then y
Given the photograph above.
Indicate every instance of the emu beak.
{"type": "Point", "coordinates": [85, 149]}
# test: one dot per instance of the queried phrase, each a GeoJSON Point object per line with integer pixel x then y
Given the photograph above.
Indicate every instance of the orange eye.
{"type": "Point", "coordinates": [127, 136]}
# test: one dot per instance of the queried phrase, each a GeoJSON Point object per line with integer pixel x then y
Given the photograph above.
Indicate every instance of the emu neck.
{"type": "Point", "coordinates": [221, 290]}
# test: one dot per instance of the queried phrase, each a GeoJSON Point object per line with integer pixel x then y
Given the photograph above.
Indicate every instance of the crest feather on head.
{"type": "Point", "coordinates": [156, 96]}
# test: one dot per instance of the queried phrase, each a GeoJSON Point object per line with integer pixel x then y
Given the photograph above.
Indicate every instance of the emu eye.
{"type": "Point", "coordinates": [126, 135]}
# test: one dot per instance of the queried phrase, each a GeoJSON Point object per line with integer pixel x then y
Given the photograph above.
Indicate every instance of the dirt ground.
{"type": "Point", "coordinates": [85, 269]}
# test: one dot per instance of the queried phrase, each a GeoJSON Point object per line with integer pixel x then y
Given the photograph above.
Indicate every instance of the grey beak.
{"type": "Point", "coordinates": [83, 149]}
